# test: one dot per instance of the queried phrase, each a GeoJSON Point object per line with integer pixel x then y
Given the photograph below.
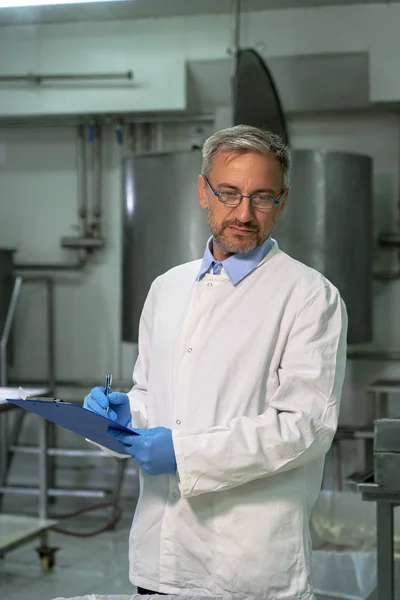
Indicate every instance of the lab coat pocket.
{"type": "Point", "coordinates": [260, 549]}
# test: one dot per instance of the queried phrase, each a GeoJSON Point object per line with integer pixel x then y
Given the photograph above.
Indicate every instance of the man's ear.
{"type": "Point", "coordinates": [201, 191]}
{"type": "Point", "coordinates": [282, 203]}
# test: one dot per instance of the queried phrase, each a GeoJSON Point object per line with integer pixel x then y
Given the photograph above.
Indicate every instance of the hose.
{"type": "Point", "coordinates": [110, 525]}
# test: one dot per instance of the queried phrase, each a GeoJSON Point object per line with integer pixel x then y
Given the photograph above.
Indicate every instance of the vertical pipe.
{"type": "Point", "coordinates": [50, 335]}
{"type": "Point", "coordinates": [81, 180]}
{"type": "Point", "coordinates": [42, 463]}
{"type": "Point", "coordinates": [235, 35]}
{"type": "Point", "coordinates": [3, 366]}
{"type": "Point", "coordinates": [91, 161]}
{"type": "Point", "coordinates": [120, 138]}
{"type": "Point", "coordinates": [7, 329]}
{"type": "Point", "coordinates": [3, 447]}
{"type": "Point", "coordinates": [97, 180]}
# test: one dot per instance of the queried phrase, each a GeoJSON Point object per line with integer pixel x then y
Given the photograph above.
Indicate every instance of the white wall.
{"type": "Point", "coordinates": [38, 206]}
{"type": "Point", "coordinates": [155, 49]}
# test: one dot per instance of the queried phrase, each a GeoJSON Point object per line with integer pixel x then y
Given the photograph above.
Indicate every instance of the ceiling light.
{"type": "Point", "coordinates": [25, 3]}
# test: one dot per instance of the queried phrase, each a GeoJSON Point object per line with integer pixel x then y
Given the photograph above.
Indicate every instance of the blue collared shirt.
{"type": "Point", "coordinates": [237, 266]}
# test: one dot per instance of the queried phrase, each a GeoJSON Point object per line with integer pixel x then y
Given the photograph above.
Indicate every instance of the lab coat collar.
{"type": "Point", "coordinates": [238, 266]}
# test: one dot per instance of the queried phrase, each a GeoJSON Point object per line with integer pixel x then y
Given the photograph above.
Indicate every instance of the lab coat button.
{"type": "Point", "coordinates": [175, 495]}
{"type": "Point", "coordinates": [189, 349]}
{"type": "Point", "coordinates": [178, 422]}
{"type": "Point", "coordinates": [209, 284]}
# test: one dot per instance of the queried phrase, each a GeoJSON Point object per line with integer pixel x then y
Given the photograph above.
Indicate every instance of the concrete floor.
{"type": "Point", "coordinates": [97, 565]}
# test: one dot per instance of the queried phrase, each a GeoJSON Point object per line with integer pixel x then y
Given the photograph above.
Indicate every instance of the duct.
{"type": "Point", "coordinates": [256, 99]}
{"type": "Point", "coordinates": [343, 83]}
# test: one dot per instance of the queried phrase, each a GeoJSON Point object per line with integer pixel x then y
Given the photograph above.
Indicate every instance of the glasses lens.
{"type": "Point", "coordinates": [263, 202]}
{"type": "Point", "coordinates": [231, 198]}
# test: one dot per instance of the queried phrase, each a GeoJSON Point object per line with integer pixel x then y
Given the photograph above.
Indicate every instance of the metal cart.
{"type": "Point", "coordinates": [16, 530]}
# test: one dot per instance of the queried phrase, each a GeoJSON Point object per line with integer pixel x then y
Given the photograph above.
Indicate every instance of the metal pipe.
{"type": "Point", "coordinates": [50, 335]}
{"type": "Point", "coordinates": [38, 78]}
{"type": "Point", "coordinates": [56, 492]}
{"type": "Point", "coordinates": [67, 121]}
{"type": "Point", "coordinates": [51, 267]}
{"type": "Point", "coordinates": [7, 329]}
{"type": "Point", "coordinates": [235, 35]}
{"type": "Point", "coordinates": [81, 180]}
{"type": "Point", "coordinates": [97, 180]}
{"type": "Point", "coordinates": [42, 460]}
{"type": "Point", "coordinates": [235, 49]}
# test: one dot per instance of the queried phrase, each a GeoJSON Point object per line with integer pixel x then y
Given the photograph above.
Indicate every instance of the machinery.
{"type": "Point", "coordinates": [383, 487]}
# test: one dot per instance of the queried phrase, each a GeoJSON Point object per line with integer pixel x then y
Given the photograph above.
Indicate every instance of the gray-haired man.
{"type": "Point", "coordinates": [236, 390]}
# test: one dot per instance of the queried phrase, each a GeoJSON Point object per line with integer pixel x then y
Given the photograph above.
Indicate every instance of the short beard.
{"type": "Point", "coordinates": [233, 246]}
{"type": "Point", "coordinates": [230, 247]}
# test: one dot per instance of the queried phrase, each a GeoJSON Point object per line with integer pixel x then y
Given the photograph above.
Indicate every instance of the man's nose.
{"type": "Point", "coordinates": [244, 212]}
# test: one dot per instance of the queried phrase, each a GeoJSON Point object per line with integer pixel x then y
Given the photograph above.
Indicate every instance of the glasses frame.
{"type": "Point", "coordinates": [275, 201]}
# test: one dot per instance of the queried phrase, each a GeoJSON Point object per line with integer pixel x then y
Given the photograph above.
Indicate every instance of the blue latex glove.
{"type": "Point", "coordinates": [117, 403]}
{"type": "Point", "coordinates": [152, 449]}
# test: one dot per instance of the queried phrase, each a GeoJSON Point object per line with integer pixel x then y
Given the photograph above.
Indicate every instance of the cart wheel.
{"type": "Point", "coordinates": [47, 558]}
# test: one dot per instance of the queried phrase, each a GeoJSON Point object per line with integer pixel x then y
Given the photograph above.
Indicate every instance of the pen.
{"type": "Point", "coordinates": [108, 384]}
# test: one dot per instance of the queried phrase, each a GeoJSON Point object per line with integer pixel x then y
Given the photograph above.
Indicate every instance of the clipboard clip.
{"type": "Point", "coordinates": [36, 398]}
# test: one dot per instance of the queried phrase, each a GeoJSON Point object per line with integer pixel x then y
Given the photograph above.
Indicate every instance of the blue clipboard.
{"type": "Point", "coordinates": [77, 419]}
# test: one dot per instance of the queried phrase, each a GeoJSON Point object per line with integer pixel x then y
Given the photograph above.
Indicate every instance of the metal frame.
{"type": "Point", "coordinates": [7, 329]}
{"type": "Point", "coordinates": [385, 504]}
{"type": "Point", "coordinates": [46, 433]}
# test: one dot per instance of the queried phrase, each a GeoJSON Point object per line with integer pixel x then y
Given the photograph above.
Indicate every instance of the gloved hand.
{"type": "Point", "coordinates": [152, 449]}
{"type": "Point", "coordinates": [117, 403]}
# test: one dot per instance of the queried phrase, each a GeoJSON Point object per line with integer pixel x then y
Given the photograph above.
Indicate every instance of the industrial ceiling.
{"type": "Point", "coordinates": [139, 9]}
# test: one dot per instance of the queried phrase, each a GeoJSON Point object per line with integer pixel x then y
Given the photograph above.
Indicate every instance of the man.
{"type": "Point", "coordinates": [236, 390]}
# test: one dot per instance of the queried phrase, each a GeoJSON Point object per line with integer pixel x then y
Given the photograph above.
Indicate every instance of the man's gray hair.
{"type": "Point", "coordinates": [245, 138]}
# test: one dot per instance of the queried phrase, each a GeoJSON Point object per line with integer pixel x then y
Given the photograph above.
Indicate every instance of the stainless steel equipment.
{"type": "Point", "coordinates": [163, 224]}
{"type": "Point", "coordinates": [384, 489]}
{"type": "Point", "coordinates": [327, 224]}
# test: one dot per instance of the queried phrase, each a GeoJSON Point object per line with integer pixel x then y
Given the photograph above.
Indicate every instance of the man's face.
{"type": "Point", "coordinates": [241, 228]}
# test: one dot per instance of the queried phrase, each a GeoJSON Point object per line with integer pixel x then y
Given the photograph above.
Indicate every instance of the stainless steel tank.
{"type": "Point", "coordinates": [163, 224]}
{"type": "Point", "coordinates": [327, 224]}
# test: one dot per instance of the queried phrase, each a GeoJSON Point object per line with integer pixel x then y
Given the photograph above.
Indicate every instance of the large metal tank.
{"type": "Point", "coordinates": [163, 224]}
{"type": "Point", "coordinates": [327, 224]}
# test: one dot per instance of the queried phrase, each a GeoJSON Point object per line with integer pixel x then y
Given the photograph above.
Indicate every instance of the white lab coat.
{"type": "Point", "coordinates": [249, 378]}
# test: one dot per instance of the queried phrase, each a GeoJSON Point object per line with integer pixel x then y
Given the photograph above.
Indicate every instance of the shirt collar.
{"type": "Point", "coordinates": [237, 266]}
